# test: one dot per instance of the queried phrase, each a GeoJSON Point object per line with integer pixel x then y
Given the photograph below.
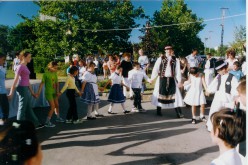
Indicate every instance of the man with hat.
{"type": "Point", "coordinates": [224, 86]}
{"type": "Point", "coordinates": [166, 92]}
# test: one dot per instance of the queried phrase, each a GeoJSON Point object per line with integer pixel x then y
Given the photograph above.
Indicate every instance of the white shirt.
{"type": "Point", "coordinates": [230, 157]}
{"type": "Point", "coordinates": [81, 71]}
{"type": "Point", "coordinates": [244, 68]}
{"type": "Point", "coordinates": [96, 63]}
{"type": "Point", "coordinates": [135, 77]}
{"type": "Point", "coordinates": [230, 63]}
{"type": "Point", "coordinates": [16, 63]}
{"type": "Point", "coordinates": [193, 61]}
{"type": "Point", "coordinates": [116, 79]}
{"type": "Point", "coordinates": [143, 60]}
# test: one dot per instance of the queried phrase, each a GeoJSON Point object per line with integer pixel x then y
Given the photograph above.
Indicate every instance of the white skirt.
{"type": "Point", "coordinates": [195, 97]}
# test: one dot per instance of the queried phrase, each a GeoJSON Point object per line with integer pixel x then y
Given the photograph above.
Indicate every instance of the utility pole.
{"type": "Point", "coordinates": [209, 38]}
{"type": "Point", "coordinates": [223, 9]}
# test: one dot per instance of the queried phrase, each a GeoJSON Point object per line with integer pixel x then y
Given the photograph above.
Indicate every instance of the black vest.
{"type": "Point", "coordinates": [163, 65]}
{"type": "Point", "coordinates": [228, 85]}
{"type": "Point", "coordinates": [212, 62]}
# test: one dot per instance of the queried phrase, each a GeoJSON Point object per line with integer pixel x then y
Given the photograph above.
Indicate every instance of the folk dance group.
{"type": "Point", "coordinates": [166, 94]}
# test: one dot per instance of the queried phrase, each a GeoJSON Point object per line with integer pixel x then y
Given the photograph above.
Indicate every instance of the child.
{"type": "Point", "coordinates": [229, 129]}
{"type": "Point", "coordinates": [50, 79]}
{"type": "Point", "coordinates": [116, 93]}
{"type": "Point", "coordinates": [105, 69]}
{"type": "Point", "coordinates": [135, 77]}
{"type": "Point", "coordinates": [90, 94]}
{"type": "Point", "coordinates": [72, 116]}
{"type": "Point", "coordinates": [195, 95]}
{"type": "Point", "coordinates": [236, 70]}
{"type": "Point", "coordinates": [19, 144]}
{"type": "Point", "coordinates": [4, 104]}
{"type": "Point", "coordinates": [224, 86]}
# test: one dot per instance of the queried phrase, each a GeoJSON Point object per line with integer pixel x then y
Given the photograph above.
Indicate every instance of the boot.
{"type": "Point", "coordinates": [179, 112]}
{"type": "Point", "coordinates": [159, 113]}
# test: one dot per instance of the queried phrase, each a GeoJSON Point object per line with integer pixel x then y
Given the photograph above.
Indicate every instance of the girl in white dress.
{"type": "Point", "coordinates": [195, 95]}
{"type": "Point", "coordinates": [228, 130]}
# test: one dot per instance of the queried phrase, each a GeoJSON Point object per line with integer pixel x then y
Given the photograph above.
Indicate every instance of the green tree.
{"type": "Point", "coordinates": [176, 25]}
{"type": "Point", "coordinates": [88, 24]}
{"type": "Point", "coordinates": [239, 39]}
{"type": "Point", "coordinates": [5, 46]}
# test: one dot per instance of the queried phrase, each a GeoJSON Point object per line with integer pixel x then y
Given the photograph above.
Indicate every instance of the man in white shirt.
{"type": "Point", "coordinates": [166, 92]}
{"type": "Point", "coordinates": [193, 60]}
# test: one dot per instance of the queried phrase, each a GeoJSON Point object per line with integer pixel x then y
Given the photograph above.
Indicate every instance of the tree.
{"type": "Point", "coordinates": [176, 25]}
{"type": "Point", "coordinates": [5, 46]}
{"type": "Point", "coordinates": [240, 39]}
{"type": "Point", "coordinates": [91, 25]}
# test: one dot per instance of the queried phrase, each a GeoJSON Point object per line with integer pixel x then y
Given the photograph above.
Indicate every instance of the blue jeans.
{"type": "Point", "coordinates": [25, 110]}
{"type": "Point", "coordinates": [4, 107]}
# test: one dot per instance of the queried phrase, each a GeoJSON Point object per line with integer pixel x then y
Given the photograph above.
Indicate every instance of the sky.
{"type": "Point", "coordinates": [206, 9]}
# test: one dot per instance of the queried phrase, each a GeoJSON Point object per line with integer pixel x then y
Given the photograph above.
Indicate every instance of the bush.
{"type": "Point", "coordinates": [40, 64]}
{"type": "Point", "coordinates": [103, 83]}
{"type": "Point", "coordinates": [62, 68]}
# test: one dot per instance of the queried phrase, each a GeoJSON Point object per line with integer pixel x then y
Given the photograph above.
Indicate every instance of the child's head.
{"type": "Point", "coordinates": [242, 92]}
{"type": "Point", "coordinates": [19, 144]}
{"type": "Point", "coordinates": [229, 127]}
{"type": "Point", "coordinates": [119, 69]}
{"type": "Point", "coordinates": [73, 70]}
{"type": "Point", "coordinates": [193, 70]}
{"type": "Point", "coordinates": [71, 63]}
{"type": "Point", "coordinates": [126, 56]}
{"type": "Point", "coordinates": [209, 55]}
{"type": "Point", "coordinates": [236, 65]}
{"type": "Point", "coordinates": [91, 66]}
{"type": "Point", "coordinates": [2, 59]}
{"type": "Point", "coordinates": [221, 67]}
{"type": "Point", "coordinates": [81, 63]}
{"type": "Point", "coordinates": [136, 65]}
{"type": "Point", "coordinates": [52, 66]}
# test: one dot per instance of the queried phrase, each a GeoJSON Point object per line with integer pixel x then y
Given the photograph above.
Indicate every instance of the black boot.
{"type": "Point", "coordinates": [159, 113]}
{"type": "Point", "coordinates": [179, 112]}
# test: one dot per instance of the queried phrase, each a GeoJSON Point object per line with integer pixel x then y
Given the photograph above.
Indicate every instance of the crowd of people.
{"type": "Point", "coordinates": [179, 81]}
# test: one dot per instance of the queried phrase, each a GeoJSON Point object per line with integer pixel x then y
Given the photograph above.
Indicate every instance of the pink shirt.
{"type": "Point", "coordinates": [23, 72]}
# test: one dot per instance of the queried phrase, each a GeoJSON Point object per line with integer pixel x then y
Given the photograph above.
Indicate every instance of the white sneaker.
{"type": "Point", "coordinates": [78, 121]}
{"type": "Point", "coordinates": [59, 119]}
{"type": "Point", "coordinates": [49, 124]}
{"type": "Point", "coordinates": [134, 109]}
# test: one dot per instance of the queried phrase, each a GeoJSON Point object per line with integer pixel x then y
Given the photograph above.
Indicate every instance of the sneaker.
{"type": "Point", "coordinates": [78, 121]}
{"type": "Point", "coordinates": [134, 109]}
{"type": "Point", "coordinates": [193, 121]}
{"type": "Point", "coordinates": [68, 121]}
{"type": "Point", "coordinates": [49, 124]}
{"type": "Point", "coordinates": [126, 111]}
{"type": "Point", "coordinates": [203, 119]}
{"type": "Point", "coordinates": [112, 113]}
{"type": "Point", "coordinates": [91, 118]}
{"type": "Point", "coordinates": [142, 110]}
{"type": "Point", "coordinates": [99, 115]}
{"type": "Point", "coordinates": [59, 119]}
{"type": "Point", "coordinates": [131, 98]}
{"type": "Point", "coordinates": [40, 126]}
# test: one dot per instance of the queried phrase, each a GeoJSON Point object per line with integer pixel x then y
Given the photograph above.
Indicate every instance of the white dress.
{"type": "Point", "coordinates": [178, 96]}
{"type": "Point", "coordinates": [230, 157]}
{"type": "Point", "coordinates": [195, 95]}
{"type": "Point", "coordinates": [221, 97]}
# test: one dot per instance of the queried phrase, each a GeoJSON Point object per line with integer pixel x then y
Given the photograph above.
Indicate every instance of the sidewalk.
{"type": "Point", "coordinates": [132, 139]}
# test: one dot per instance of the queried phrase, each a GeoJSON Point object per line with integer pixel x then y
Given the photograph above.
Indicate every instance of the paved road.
{"type": "Point", "coordinates": [133, 139]}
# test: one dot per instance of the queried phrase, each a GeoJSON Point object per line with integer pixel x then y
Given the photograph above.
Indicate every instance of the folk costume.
{"type": "Point", "coordinates": [209, 70]}
{"type": "Point", "coordinates": [166, 93]}
{"type": "Point", "coordinates": [224, 87]}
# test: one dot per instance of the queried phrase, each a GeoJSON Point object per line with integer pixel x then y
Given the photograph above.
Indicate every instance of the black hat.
{"type": "Point", "coordinates": [220, 64]}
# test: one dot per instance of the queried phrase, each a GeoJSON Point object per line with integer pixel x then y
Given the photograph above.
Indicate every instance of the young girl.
{"type": "Point", "coordinates": [229, 129]}
{"type": "Point", "coordinates": [224, 86]}
{"type": "Point", "coordinates": [25, 110]}
{"type": "Point", "coordinates": [72, 116]}
{"type": "Point", "coordinates": [111, 64]}
{"type": "Point", "coordinates": [50, 79]}
{"type": "Point", "coordinates": [116, 93]}
{"type": "Point", "coordinates": [195, 95]}
{"type": "Point", "coordinates": [90, 94]}
{"type": "Point", "coordinates": [4, 104]}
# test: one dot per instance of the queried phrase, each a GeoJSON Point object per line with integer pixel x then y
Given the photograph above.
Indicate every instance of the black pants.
{"type": "Point", "coordinates": [137, 98]}
{"type": "Point", "coordinates": [72, 111]}
{"type": "Point", "coordinates": [4, 106]}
